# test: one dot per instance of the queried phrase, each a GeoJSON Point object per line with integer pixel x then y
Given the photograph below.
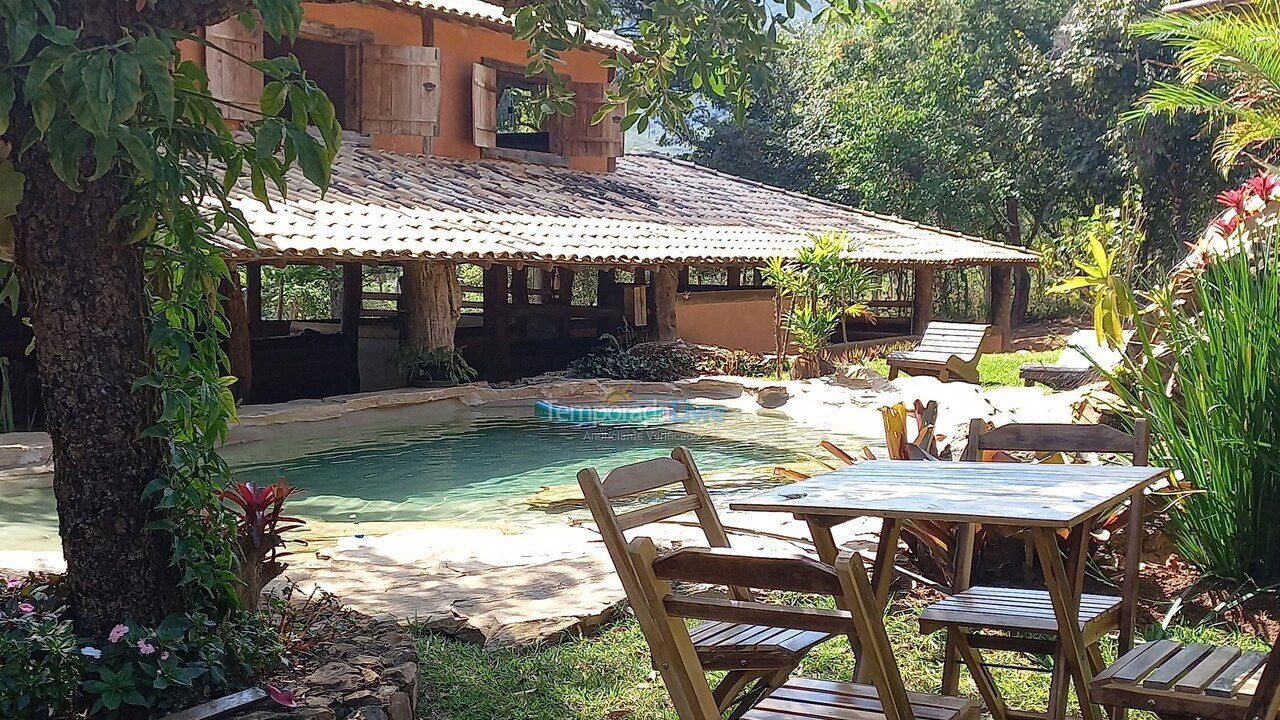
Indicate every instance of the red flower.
{"type": "Point", "coordinates": [1227, 223]}
{"type": "Point", "coordinates": [1264, 185]}
{"type": "Point", "coordinates": [1235, 198]}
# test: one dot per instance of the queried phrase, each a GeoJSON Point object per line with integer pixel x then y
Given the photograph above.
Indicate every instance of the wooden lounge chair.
{"type": "Point", "coordinates": [947, 351]}
{"type": "Point", "coordinates": [797, 698]}
{"type": "Point", "coordinates": [1183, 682]}
{"type": "Point", "coordinates": [757, 656]}
{"type": "Point", "coordinates": [1029, 612]}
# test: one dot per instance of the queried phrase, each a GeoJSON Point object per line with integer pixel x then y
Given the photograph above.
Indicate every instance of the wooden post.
{"type": "Point", "coordinates": [922, 300]}
{"type": "Point", "coordinates": [520, 286]}
{"type": "Point", "coordinates": [431, 299]}
{"type": "Point", "coordinates": [607, 295]}
{"type": "Point", "coordinates": [1002, 304]}
{"type": "Point", "coordinates": [253, 293]}
{"type": "Point", "coordinates": [497, 345]}
{"type": "Point", "coordinates": [352, 298]}
{"type": "Point", "coordinates": [240, 343]}
{"type": "Point", "coordinates": [664, 282]}
{"type": "Point", "coordinates": [734, 278]}
{"type": "Point", "coordinates": [682, 284]}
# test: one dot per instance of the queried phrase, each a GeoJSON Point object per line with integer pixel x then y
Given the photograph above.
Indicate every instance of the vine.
{"type": "Point", "coordinates": [134, 106]}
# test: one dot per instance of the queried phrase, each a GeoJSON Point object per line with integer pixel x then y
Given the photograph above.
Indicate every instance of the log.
{"type": "Point", "coordinates": [664, 283]}
{"type": "Point", "coordinates": [431, 298]}
{"type": "Point", "coordinates": [1002, 304]}
{"type": "Point", "coordinates": [239, 344]}
{"type": "Point", "coordinates": [922, 300]}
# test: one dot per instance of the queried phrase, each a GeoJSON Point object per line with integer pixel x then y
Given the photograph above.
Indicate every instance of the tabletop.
{"type": "Point", "coordinates": [1028, 495]}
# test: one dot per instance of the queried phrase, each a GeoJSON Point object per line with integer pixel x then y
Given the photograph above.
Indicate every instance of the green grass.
{"type": "Point", "coordinates": [993, 369]}
{"type": "Point", "coordinates": [608, 677]}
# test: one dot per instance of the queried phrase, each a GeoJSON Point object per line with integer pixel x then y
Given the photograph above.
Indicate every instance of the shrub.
{"type": "Point", "coordinates": [433, 365]}
{"type": "Point", "coordinates": [646, 362]}
{"type": "Point", "coordinates": [1210, 387]}
{"type": "Point", "coordinates": [40, 663]}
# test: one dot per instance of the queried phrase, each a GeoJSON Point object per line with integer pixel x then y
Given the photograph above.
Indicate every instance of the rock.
{"type": "Point", "coordinates": [317, 714]}
{"type": "Point", "coordinates": [318, 701]}
{"type": "Point", "coordinates": [860, 377]}
{"type": "Point", "coordinates": [399, 706]}
{"type": "Point", "coordinates": [366, 661]}
{"type": "Point", "coordinates": [368, 713]}
{"type": "Point", "coordinates": [336, 676]}
{"type": "Point", "coordinates": [772, 396]}
{"type": "Point", "coordinates": [402, 675]}
{"type": "Point", "coordinates": [360, 698]}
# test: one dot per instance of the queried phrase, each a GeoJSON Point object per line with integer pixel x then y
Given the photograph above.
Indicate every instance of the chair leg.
{"type": "Point", "coordinates": [1059, 686]}
{"type": "Point", "coordinates": [893, 371]}
{"type": "Point", "coordinates": [765, 685]}
{"type": "Point", "coordinates": [981, 677]}
{"type": "Point", "coordinates": [728, 690]}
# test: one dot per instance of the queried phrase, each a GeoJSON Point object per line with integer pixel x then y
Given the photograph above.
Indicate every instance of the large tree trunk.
{"type": "Point", "coordinates": [84, 285]}
{"type": "Point", "coordinates": [88, 311]}
{"type": "Point", "coordinates": [1021, 276]}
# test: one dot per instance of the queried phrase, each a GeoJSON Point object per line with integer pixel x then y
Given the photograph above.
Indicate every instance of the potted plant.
{"type": "Point", "coordinates": [434, 367]}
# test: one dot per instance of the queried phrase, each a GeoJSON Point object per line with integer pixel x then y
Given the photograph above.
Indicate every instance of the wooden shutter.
{"type": "Point", "coordinates": [400, 85]}
{"type": "Point", "coordinates": [484, 105]}
{"type": "Point", "coordinates": [582, 138]}
{"type": "Point", "coordinates": [230, 79]}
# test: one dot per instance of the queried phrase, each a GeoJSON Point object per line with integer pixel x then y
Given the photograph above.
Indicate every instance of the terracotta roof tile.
{"type": "Point", "coordinates": [493, 14]}
{"type": "Point", "coordinates": [653, 209]}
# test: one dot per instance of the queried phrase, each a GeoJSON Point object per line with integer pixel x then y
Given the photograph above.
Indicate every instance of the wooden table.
{"type": "Point", "coordinates": [1044, 499]}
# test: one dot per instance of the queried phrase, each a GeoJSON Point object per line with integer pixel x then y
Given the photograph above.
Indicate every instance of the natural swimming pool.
{"type": "Point", "coordinates": [465, 466]}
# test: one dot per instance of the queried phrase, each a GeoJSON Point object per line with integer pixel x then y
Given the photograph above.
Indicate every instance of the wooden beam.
{"type": "Point", "coordinates": [607, 294]}
{"type": "Point", "coordinates": [497, 345]}
{"type": "Point", "coordinates": [1002, 304]}
{"type": "Point", "coordinates": [431, 299]}
{"type": "Point", "coordinates": [683, 279]}
{"type": "Point", "coordinates": [240, 343]}
{"type": "Point", "coordinates": [922, 301]}
{"type": "Point", "coordinates": [734, 278]}
{"type": "Point", "coordinates": [253, 293]}
{"type": "Point", "coordinates": [352, 298]}
{"type": "Point", "coordinates": [520, 286]}
{"type": "Point", "coordinates": [664, 284]}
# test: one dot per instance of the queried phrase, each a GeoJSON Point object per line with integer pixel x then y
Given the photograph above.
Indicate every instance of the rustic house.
{"type": "Point", "coordinates": [517, 241]}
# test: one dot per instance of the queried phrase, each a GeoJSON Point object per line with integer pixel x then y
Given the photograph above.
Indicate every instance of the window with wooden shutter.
{"type": "Point", "coordinates": [484, 105]}
{"type": "Point", "coordinates": [583, 138]}
{"type": "Point", "coordinates": [230, 79]}
{"type": "Point", "coordinates": [401, 90]}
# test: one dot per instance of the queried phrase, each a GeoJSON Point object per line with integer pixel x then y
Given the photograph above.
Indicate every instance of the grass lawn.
{"type": "Point", "coordinates": [608, 677]}
{"type": "Point", "coordinates": [994, 370]}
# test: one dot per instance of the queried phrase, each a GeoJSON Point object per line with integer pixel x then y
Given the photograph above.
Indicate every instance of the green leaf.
{"type": "Point", "coordinates": [127, 93]}
{"type": "Point", "coordinates": [269, 135]}
{"type": "Point", "coordinates": [138, 144]}
{"type": "Point", "coordinates": [313, 165]}
{"type": "Point", "coordinates": [47, 62]}
{"type": "Point", "coordinates": [12, 185]}
{"type": "Point", "coordinates": [155, 57]}
{"type": "Point", "coordinates": [21, 32]}
{"type": "Point", "coordinates": [104, 155]}
{"type": "Point", "coordinates": [43, 106]}
{"type": "Point", "coordinates": [7, 95]}
{"type": "Point", "coordinates": [67, 145]}
{"type": "Point", "coordinates": [274, 95]}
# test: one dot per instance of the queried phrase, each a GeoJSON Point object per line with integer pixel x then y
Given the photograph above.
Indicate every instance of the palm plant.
{"type": "Point", "coordinates": [1229, 72]}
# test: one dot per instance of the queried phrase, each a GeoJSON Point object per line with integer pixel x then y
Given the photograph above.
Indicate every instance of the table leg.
{"type": "Point", "coordinates": [828, 551]}
{"type": "Point", "coordinates": [961, 573]}
{"type": "Point", "coordinates": [1132, 565]}
{"type": "Point", "coordinates": [1064, 593]}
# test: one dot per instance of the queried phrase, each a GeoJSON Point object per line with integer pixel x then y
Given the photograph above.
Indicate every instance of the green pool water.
{"type": "Point", "coordinates": [475, 466]}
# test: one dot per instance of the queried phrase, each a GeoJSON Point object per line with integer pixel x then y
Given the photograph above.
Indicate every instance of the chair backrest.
{"type": "Point", "coordinates": [1058, 437]}
{"type": "Point", "coordinates": [964, 340]}
{"type": "Point", "coordinates": [1266, 696]}
{"type": "Point", "coordinates": [848, 580]}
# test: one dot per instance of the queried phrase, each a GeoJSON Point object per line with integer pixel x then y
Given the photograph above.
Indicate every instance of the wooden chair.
{"type": "Point", "coordinates": [798, 698]}
{"type": "Point", "coordinates": [756, 656]}
{"type": "Point", "coordinates": [1183, 682]}
{"type": "Point", "coordinates": [947, 350]}
{"type": "Point", "coordinates": [1029, 612]}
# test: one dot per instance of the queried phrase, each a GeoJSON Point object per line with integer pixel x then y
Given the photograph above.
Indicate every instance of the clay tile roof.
{"type": "Point", "coordinates": [652, 210]}
{"type": "Point", "coordinates": [492, 14]}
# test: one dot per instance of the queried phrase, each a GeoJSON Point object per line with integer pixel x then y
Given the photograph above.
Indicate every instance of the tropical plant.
{"type": "Point", "coordinates": [1229, 74]}
{"type": "Point", "coordinates": [1111, 237]}
{"type": "Point", "coordinates": [260, 529]}
{"type": "Point", "coordinates": [434, 365]}
{"type": "Point", "coordinates": [1208, 380]}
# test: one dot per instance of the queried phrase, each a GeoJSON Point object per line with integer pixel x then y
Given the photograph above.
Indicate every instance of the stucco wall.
{"type": "Point", "coordinates": [735, 319]}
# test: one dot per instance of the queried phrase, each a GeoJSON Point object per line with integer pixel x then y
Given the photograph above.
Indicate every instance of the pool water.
{"type": "Point", "coordinates": [476, 466]}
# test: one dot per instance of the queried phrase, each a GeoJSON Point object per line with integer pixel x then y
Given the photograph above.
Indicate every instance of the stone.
{"type": "Point", "coordinates": [336, 676]}
{"type": "Point", "coordinates": [772, 396]}
{"type": "Point", "coordinates": [318, 701]}
{"type": "Point", "coordinates": [399, 706]}
{"type": "Point", "coordinates": [860, 377]}
{"type": "Point", "coordinates": [368, 713]}
{"type": "Point", "coordinates": [366, 661]}
{"type": "Point", "coordinates": [402, 675]}
{"type": "Point", "coordinates": [360, 698]}
{"type": "Point", "coordinates": [317, 714]}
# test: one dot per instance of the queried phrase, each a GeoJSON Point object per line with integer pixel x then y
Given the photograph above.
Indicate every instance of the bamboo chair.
{"type": "Point", "coordinates": [1029, 612]}
{"type": "Point", "coordinates": [1185, 682]}
{"type": "Point", "coordinates": [757, 657]}
{"type": "Point", "coordinates": [797, 698]}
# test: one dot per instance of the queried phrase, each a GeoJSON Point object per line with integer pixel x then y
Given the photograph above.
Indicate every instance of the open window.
{"type": "Point", "coordinates": [331, 65]}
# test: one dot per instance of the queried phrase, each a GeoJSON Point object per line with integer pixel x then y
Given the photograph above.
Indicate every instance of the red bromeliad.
{"type": "Point", "coordinates": [261, 524]}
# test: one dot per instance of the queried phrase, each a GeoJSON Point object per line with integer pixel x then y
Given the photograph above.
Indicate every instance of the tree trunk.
{"type": "Point", "coordinates": [89, 312]}
{"type": "Point", "coordinates": [1021, 276]}
{"type": "Point", "coordinates": [432, 302]}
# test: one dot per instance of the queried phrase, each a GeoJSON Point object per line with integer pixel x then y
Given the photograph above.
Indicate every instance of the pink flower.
{"type": "Point", "coordinates": [1235, 198]}
{"type": "Point", "coordinates": [145, 647]}
{"type": "Point", "coordinates": [26, 608]}
{"type": "Point", "coordinates": [282, 696]}
{"type": "Point", "coordinates": [1264, 186]}
{"type": "Point", "coordinates": [118, 632]}
{"type": "Point", "coordinates": [1227, 224]}
{"type": "Point", "coordinates": [12, 583]}
{"type": "Point", "coordinates": [164, 655]}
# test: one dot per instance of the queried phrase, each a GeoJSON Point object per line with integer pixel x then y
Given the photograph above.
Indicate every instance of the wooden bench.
{"type": "Point", "coordinates": [757, 656]}
{"type": "Point", "coordinates": [1177, 681]}
{"type": "Point", "coordinates": [947, 351]}
{"type": "Point", "coordinates": [884, 698]}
